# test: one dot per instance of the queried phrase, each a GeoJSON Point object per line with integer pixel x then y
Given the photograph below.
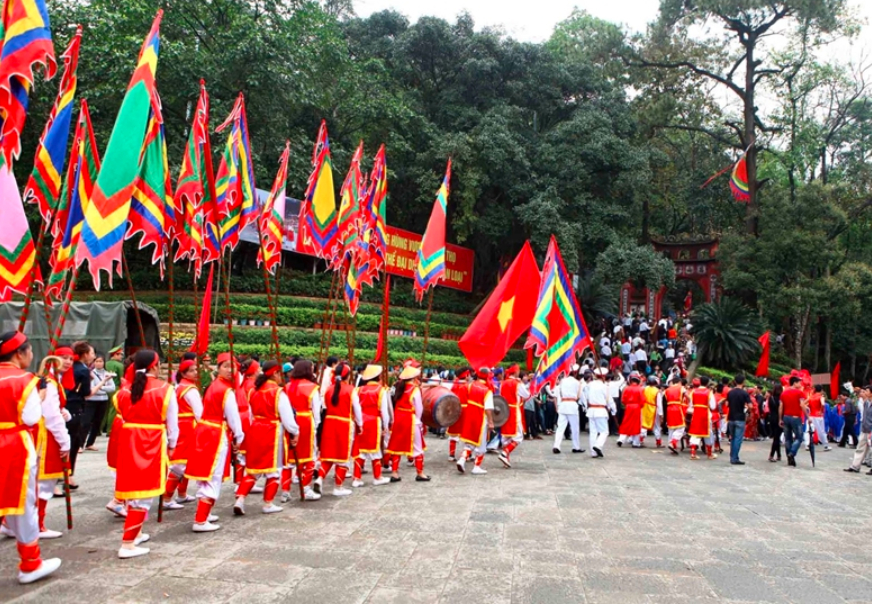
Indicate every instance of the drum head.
{"type": "Point", "coordinates": [447, 410]}
{"type": "Point", "coordinates": [501, 411]}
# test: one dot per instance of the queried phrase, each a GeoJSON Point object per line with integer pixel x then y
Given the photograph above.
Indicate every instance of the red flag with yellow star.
{"type": "Point", "coordinates": [507, 314]}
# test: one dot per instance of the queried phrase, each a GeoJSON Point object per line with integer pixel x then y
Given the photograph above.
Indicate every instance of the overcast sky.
{"type": "Point", "coordinates": [534, 21]}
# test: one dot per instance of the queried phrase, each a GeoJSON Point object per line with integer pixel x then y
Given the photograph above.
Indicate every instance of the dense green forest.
{"type": "Point", "coordinates": [600, 137]}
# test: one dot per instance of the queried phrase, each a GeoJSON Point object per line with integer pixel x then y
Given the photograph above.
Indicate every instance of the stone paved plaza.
{"type": "Point", "coordinates": [639, 526]}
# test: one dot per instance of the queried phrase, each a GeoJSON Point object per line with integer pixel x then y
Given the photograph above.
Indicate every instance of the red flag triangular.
{"type": "Point", "coordinates": [834, 381]}
{"type": "Point", "coordinates": [763, 365]}
{"type": "Point", "coordinates": [201, 342]}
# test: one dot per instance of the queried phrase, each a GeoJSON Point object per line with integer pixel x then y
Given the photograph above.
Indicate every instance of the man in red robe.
{"type": "Point", "coordinates": [632, 398]}
{"type": "Point", "coordinates": [512, 432]}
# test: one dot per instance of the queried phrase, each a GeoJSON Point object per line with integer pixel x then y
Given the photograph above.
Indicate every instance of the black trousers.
{"type": "Point", "coordinates": [532, 421]}
{"type": "Point", "coordinates": [848, 431]}
{"type": "Point", "coordinates": [776, 431]}
{"type": "Point", "coordinates": [99, 412]}
{"type": "Point", "coordinates": [74, 428]}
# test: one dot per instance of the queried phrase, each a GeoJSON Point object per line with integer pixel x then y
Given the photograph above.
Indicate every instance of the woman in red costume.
{"type": "Point", "coordinates": [343, 419]}
{"type": "Point", "coordinates": [148, 436]}
{"type": "Point", "coordinates": [375, 405]}
{"type": "Point", "coordinates": [407, 431]}
{"type": "Point", "coordinates": [305, 397]}
{"type": "Point", "coordinates": [190, 411]}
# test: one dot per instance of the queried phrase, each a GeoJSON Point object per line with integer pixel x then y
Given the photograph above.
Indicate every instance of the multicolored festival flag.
{"type": "Point", "coordinates": [151, 210]}
{"type": "Point", "coordinates": [75, 197]}
{"type": "Point", "coordinates": [375, 215]}
{"type": "Point", "coordinates": [26, 41]}
{"type": "Point", "coordinates": [431, 255]}
{"type": "Point", "coordinates": [506, 315]}
{"type": "Point", "coordinates": [234, 188]}
{"type": "Point", "coordinates": [558, 333]}
{"type": "Point", "coordinates": [739, 181]}
{"type": "Point", "coordinates": [17, 252]}
{"type": "Point", "coordinates": [272, 218]}
{"type": "Point", "coordinates": [319, 205]}
{"type": "Point", "coordinates": [195, 188]}
{"type": "Point", "coordinates": [44, 185]}
{"type": "Point", "coordinates": [106, 216]}
{"type": "Point", "coordinates": [348, 218]}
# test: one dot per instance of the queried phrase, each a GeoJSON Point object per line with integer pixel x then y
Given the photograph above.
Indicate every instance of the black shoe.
{"type": "Point", "coordinates": [841, 445]}
{"type": "Point", "coordinates": [852, 469]}
{"type": "Point", "coordinates": [791, 461]}
{"type": "Point", "coordinates": [578, 450]}
{"type": "Point", "coordinates": [620, 444]}
{"type": "Point", "coordinates": [738, 463]}
{"type": "Point", "coordinates": [869, 473]}
{"type": "Point", "coordinates": [598, 452]}
{"type": "Point", "coordinates": [556, 451]}
{"type": "Point", "coordinates": [420, 478]}
{"type": "Point", "coordinates": [395, 479]}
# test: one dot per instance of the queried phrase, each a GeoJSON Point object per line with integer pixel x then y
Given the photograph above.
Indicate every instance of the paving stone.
{"type": "Point", "coordinates": [550, 590]}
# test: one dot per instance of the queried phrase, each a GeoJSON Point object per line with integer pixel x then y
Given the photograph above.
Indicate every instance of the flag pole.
{"type": "Point", "coordinates": [126, 269]}
{"type": "Point", "coordinates": [427, 326]}
{"type": "Point", "coordinates": [325, 315]}
{"type": "Point", "coordinates": [65, 308]}
{"type": "Point", "coordinates": [31, 287]}
{"type": "Point", "coordinates": [385, 324]}
{"type": "Point", "coordinates": [172, 315]}
{"type": "Point", "coordinates": [270, 303]}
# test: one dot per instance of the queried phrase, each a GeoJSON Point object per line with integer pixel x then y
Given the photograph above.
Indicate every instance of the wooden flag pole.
{"type": "Point", "coordinates": [65, 309]}
{"type": "Point", "coordinates": [385, 324]}
{"type": "Point", "coordinates": [172, 316]}
{"type": "Point", "coordinates": [31, 287]}
{"type": "Point", "coordinates": [270, 302]}
{"type": "Point", "coordinates": [325, 316]}
{"type": "Point", "coordinates": [197, 308]}
{"type": "Point", "coordinates": [126, 269]}
{"type": "Point", "coordinates": [427, 326]}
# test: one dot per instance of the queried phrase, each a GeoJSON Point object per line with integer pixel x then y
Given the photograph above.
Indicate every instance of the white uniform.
{"type": "Point", "coordinates": [599, 405]}
{"type": "Point", "coordinates": [212, 488]}
{"type": "Point", "coordinates": [57, 426]}
{"type": "Point", "coordinates": [568, 397]}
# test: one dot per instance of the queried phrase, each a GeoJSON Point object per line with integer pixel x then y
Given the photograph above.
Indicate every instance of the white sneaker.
{"type": "Point", "coordinates": [271, 509]}
{"type": "Point", "coordinates": [205, 527]}
{"type": "Point", "coordinates": [377, 482]}
{"type": "Point", "coordinates": [340, 492]}
{"type": "Point", "coordinates": [452, 458]}
{"type": "Point", "coordinates": [125, 553]}
{"type": "Point", "coordinates": [50, 534]}
{"type": "Point", "coordinates": [45, 569]}
{"type": "Point", "coordinates": [257, 489]}
{"type": "Point", "coordinates": [143, 537]}
{"type": "Point", "coordinates": [212, 518]}
{"type": "Point", "coordinates": [286, 496]}
{"type": "Point", "coordinates": [311, 495]}
{"type": "Point", "coordinates": [295, 479]}
{"type": "Point", "coordinates": [461, 465]}
{"type": "Point", "coordinates": [239, 507]}
{"type": "Point", "coordinates": [505, 459]}
{"type": "Point", "coordinates": [117, 508]}
{"type": "Point", "coordinates": [357, 483]}
{"type": "Point", "coordinates": [6, 532]}
{"type": "Point", "coordinates": [828, 448]}
{"type": "Point", "coordinates": [479, 470]}
{"type": "Point", "coordinates": [173, 505]}
{"type": "Point", "coordinates": [186, 499]}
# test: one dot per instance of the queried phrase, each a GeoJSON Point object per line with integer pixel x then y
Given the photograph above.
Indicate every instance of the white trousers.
{"type": "Point", "coordinates": [142, 504]}
{"type": "Point", "coordinates": [696, 441]}
{"type": "Point", "coordinates": [26, 525]}
{"type": "Point", "coordinates": [676, 434]}
{"type": "Point", "coordinates": [818, 423]}
{"type": "Point", "coordinates": [635, 439]}
{"type": "Point", "coordinates": [46, 488]}
{"type": "Point", "coordinates": [212, 487]}
{"type": "Point", "coordinates": [598, 428]}
{"type": "Point", "coordinates": [562, 420]}
{"type": "Point", "coordinates": [178, 470]}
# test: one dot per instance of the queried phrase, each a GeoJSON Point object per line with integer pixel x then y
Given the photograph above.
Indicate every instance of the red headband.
{"type": "Point", "coordinates": [343, 370]}
{"type": "Point", "coordinates": [252, 369]}
{"type": "Point", "coordinates": [513, 370]}
{"type": "Point", "coordinates": [64, 351]}
{"type": "Point", "coordinates": [185, 365]}
{"type": "Point", "coordinates": [224, 357]}
{"type": "Point", "coordinates": [154, 361]}
{"type": "Point", "coordinates": [271, 371]}
{"type": "Point", "coordinates": [13, 343]}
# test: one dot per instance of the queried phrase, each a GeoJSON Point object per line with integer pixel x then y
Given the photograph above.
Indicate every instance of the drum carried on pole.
{"type": "Point", "coordinates": [501, 411]}
{"type": "Point", "coordinates": [441, 407]}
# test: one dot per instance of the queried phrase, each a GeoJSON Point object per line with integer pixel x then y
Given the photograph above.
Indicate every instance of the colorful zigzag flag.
{"type": "Point", "coordinates": [558, 333]}
{"type": "Point", "coordinates": [151, 210]}
{"type": "Point", "coordinates": [739, 181]}
{"type": "Point", "coordinates": [319, 205]}
{"type": "Point", "coordinates": [376, 222]}
{"type": "Point", "coordinates": [17, 252]}
{"type": "Point", "coordinates": [26, 41]}
{"type": "Point", "coordinates": [272, 218]}
{"type": "Point", "coordinates": [106, 216]}
{"type": "Point", "coordinates": [347, 220]}
{"type": "Point", "coordinates": [236, 199]}
{"type": "Point", "coordinates": [431, 256]}
{"type": "Point", "coordinates": [44, 185]}
{"type": "Point", "coordinates": [74, 198]}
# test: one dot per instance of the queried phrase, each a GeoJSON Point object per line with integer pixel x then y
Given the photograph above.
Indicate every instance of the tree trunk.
{"type": "Point", "coordinates": [694, 365]}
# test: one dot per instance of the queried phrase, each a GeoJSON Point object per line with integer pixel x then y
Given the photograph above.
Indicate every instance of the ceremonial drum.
{"type": "Point", "coordinates": [441, 407]}
{"type": "Point", "coordinates": [501, 411]}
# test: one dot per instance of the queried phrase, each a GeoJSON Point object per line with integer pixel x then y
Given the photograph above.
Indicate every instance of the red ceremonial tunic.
{"type": "Point", "coordinates": [50, 464]}
{"type": "Point", "coordinates": [509, 391]}
{"type": "Point", "coordinates": [369, 440]}
{"type": "Point", "coordinates": [16, 445]}
{"type": "Point", "coordinates": [815, 405]}
{"type": "Point", "coordinates": [338, 430]}
{"type": "Point", "coordinates": [632, 398]}
{"type": "Point", "coordinates": [300, 393]}
{"type": "Point", "coordinates": [142, 454]}
{"type": "Point", "coordinates": [474, 416]}
{"type": "Point", "coordinates": [114, 435]}
{"type": "Point", "coordinates": [402, 441]}
{"type": "Point", "coordinates": [701, 420]}
{"type": "Point", "coordinates": [187, 423]}
{"type": "Point", "coordinates": [674, 407]}
{"type": "Point", "coordinates": [243, 396]}
{"type": "Point", "coordinates": [265, 430]}
{"type": "Point", "coordinates": [460, 388]}
{"type": "Point", "coordinates": [203, 454]}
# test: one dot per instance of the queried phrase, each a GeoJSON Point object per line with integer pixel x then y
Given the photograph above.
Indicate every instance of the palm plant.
{"type": "Point", "coordinates": [597, 300]}
{"type": "Point", "coordinates": [725, 333]}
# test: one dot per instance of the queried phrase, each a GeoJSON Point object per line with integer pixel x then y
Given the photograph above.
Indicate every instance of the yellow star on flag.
{"type": "Point", "coordinates": [505, 314]}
